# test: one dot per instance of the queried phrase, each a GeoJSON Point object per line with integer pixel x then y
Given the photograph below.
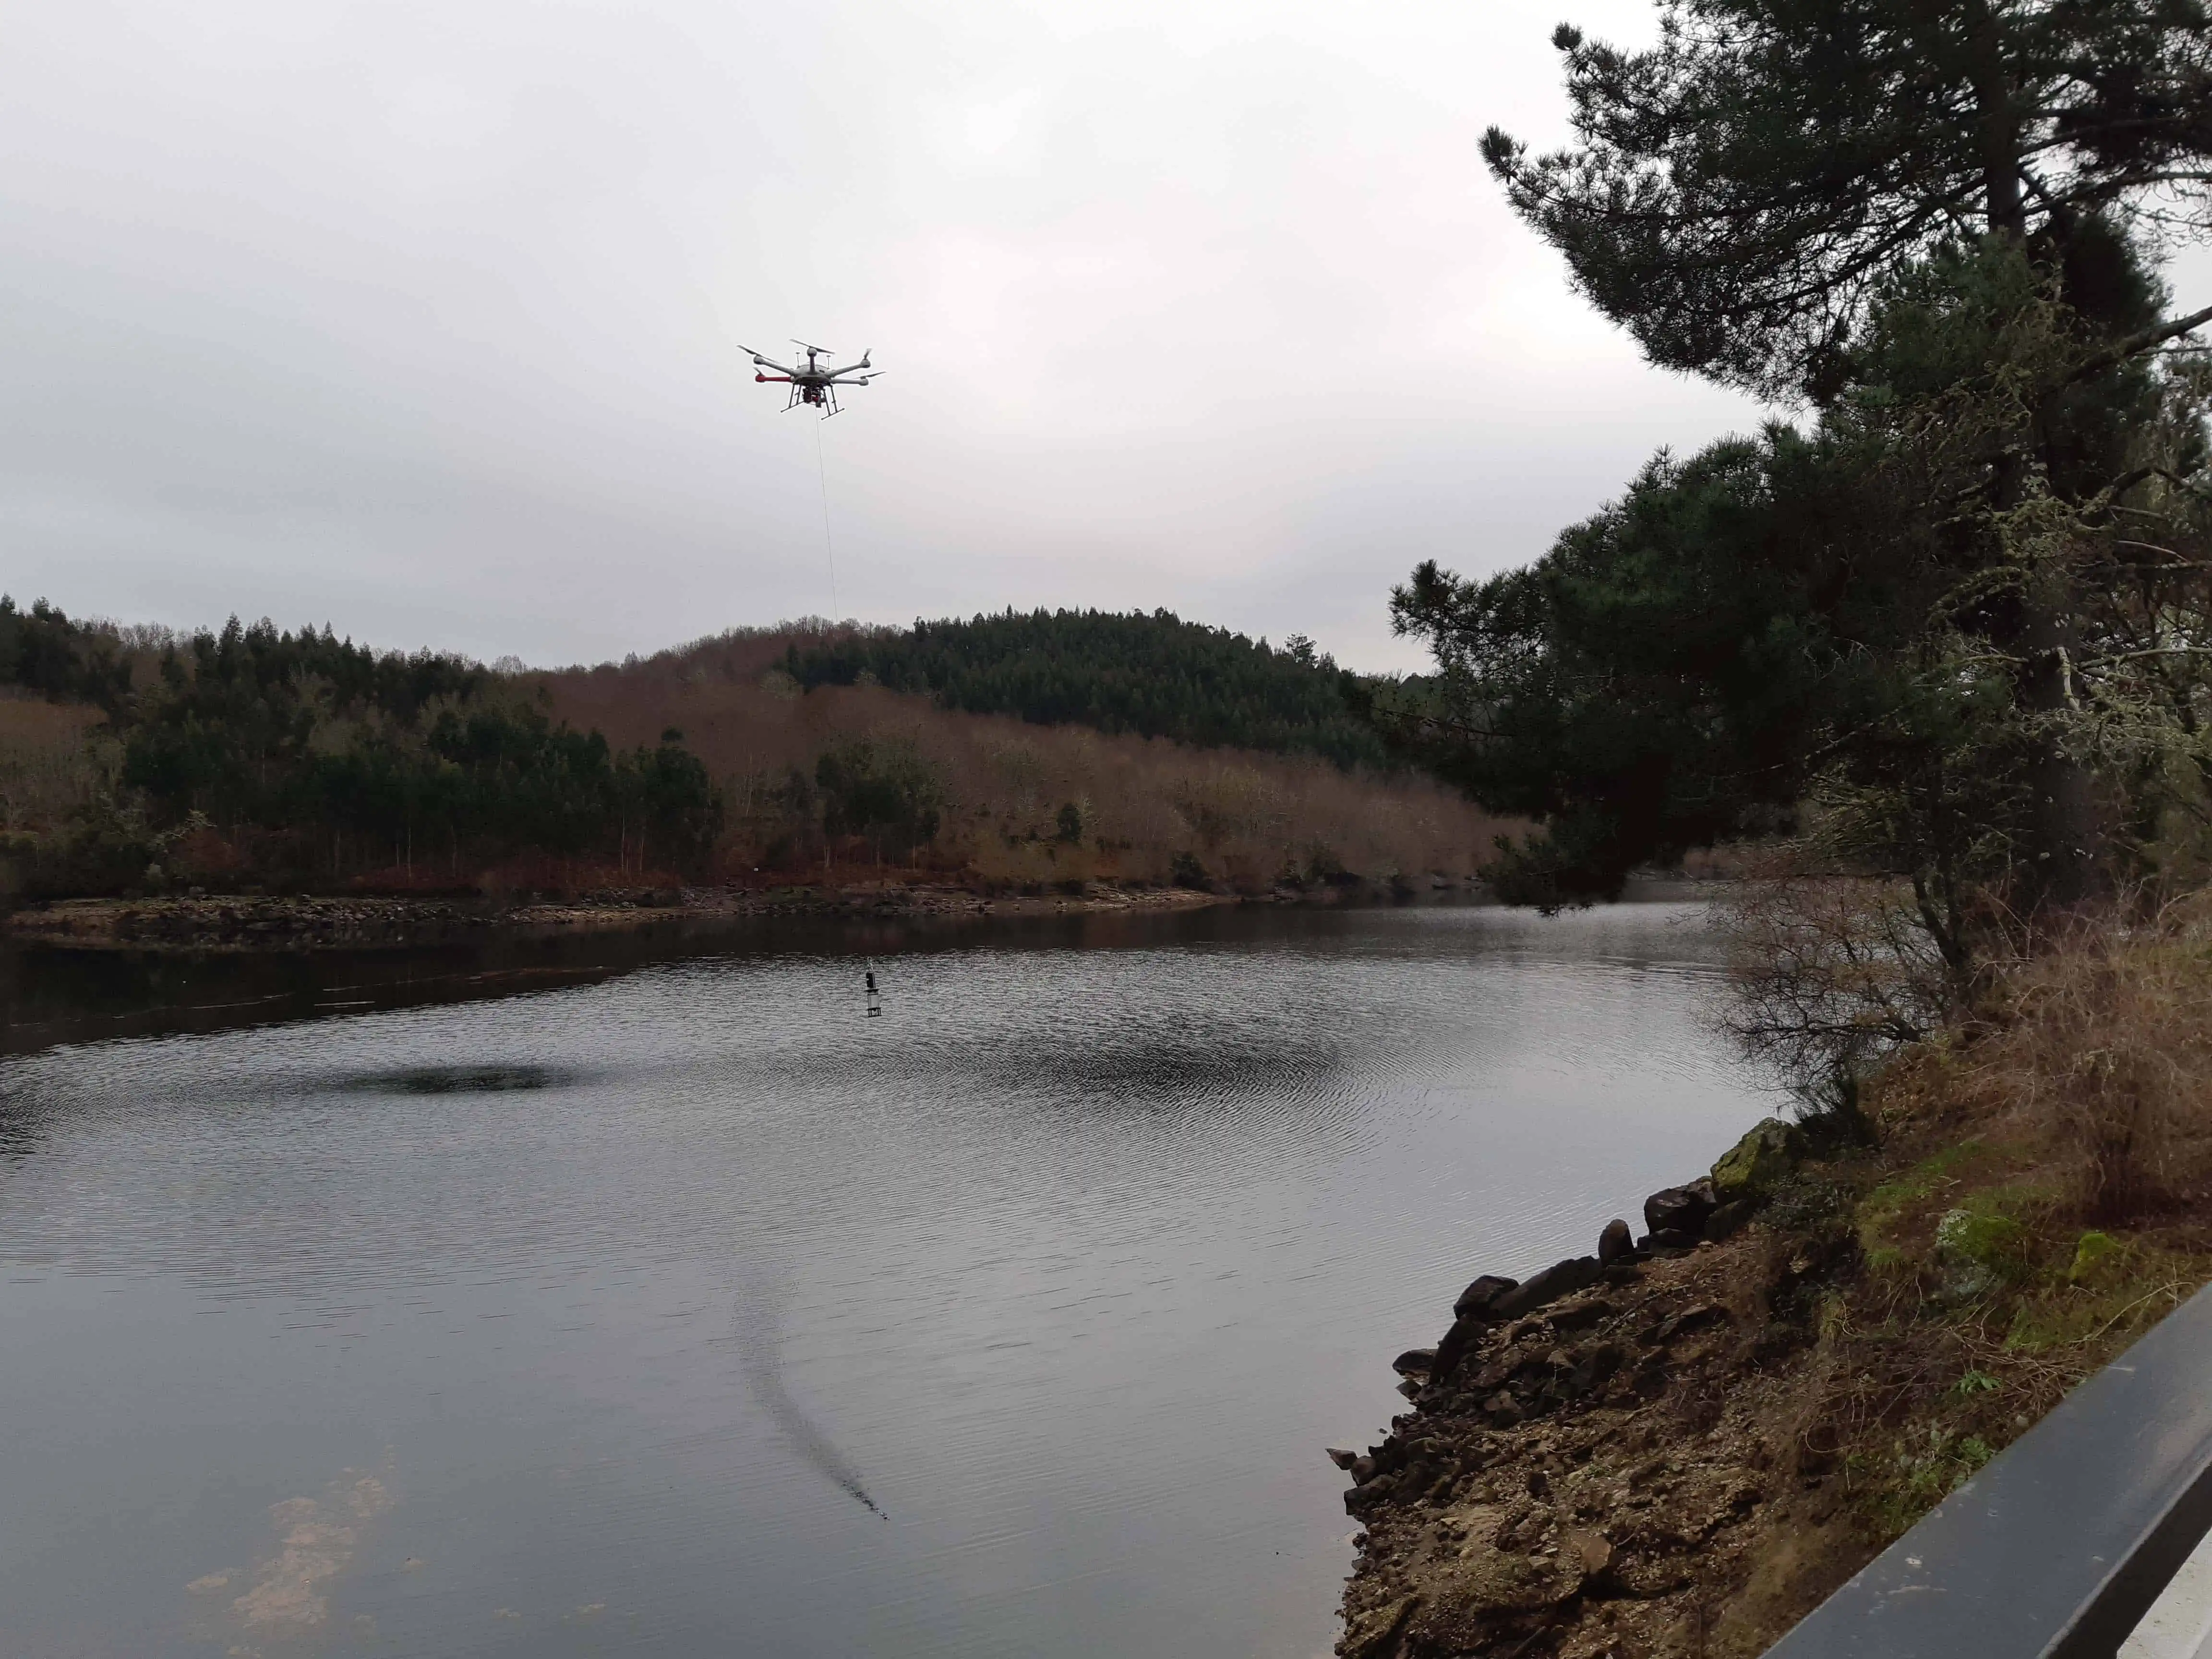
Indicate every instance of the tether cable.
{"type": "Point", "coordinates": [822, 471]}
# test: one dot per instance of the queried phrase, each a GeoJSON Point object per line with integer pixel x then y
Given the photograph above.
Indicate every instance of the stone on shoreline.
{"type": "Point", "coordinates": [1681, 1209]}
{"type": "Point", "coordinates": [1753, 1167]}
{"type": "Point", "coordinates": [1415, 1361]}
{"type": "Point", "coordinates": [1728, 1219]}
{"type": "Point", "coordinates": [1481, 1295]}
{"type": "Point", "coordinates": [1472, 1314]}
{"type": "Point", "coordinates": [1466, 1330]}
{"type": "Point", "coordinates": [1614, 1243]}
{"type": "Point", "coordinates": [1577, 1272]}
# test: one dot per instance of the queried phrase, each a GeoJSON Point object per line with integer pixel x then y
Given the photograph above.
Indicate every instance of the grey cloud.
{"type": "Point", "coordinates": [422, 319]}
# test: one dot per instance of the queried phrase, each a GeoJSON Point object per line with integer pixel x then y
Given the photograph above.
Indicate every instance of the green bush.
{"type": "Point", "coordinates": [882, 790]}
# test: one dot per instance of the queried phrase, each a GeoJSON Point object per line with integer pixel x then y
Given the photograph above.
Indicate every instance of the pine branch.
{"type": "Point", "coordinates": [2135, 344]}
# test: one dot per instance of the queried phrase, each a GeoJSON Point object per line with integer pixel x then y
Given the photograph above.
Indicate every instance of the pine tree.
{"type": "Point", "coordinates": [1751, 195]}
{"type": "Point", "coordinates": [1739, 194]}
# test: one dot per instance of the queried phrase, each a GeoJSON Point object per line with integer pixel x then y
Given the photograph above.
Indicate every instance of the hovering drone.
{"type": "Point", "coordinates": [817, 383]}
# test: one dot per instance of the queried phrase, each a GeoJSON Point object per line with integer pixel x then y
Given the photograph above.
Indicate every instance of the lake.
{"type": "Point", "coordinates": [690, 1310]}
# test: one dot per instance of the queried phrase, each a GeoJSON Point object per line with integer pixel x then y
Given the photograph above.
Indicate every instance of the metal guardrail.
{"type": "Point", "coordinates": [2059, 1547]}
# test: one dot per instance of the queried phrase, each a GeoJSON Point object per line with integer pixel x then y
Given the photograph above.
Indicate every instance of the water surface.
{"type": "Point", "coordinates": [692, 1311]}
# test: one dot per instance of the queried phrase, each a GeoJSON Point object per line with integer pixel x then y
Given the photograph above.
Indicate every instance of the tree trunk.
{"type": "Point", "coordinates": [2063, 868]}
{"type": "Point", "coordinates": [1999, 124]}
{"type": "Point", "coordinates": [2063, 830]}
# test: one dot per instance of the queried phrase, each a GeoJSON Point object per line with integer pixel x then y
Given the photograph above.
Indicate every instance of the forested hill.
{"type": "Point", "coordinates": [138, 760]}
{"type": "Point", "coordinates": [1157, 675]}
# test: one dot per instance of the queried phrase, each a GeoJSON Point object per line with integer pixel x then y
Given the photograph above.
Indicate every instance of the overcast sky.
{"type": "Point", "coordinates": [422, 319]}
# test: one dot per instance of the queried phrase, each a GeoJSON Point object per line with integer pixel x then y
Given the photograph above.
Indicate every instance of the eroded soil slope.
{"type": "Point", "coordinates": [1682, 1452]}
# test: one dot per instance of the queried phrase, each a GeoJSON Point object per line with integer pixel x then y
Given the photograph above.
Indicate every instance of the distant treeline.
{"type": "Point", "coordinates": [141, 759]}
{"type": "Point", "coordinates": [1157, 675]}
{"type": "Point", "coordinates": [42, 650]}
{"type": "Point", "coordinates": [325, 757]}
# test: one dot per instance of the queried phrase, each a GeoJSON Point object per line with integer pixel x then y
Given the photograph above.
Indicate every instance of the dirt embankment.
{"type": "Point", "coordinates": [236, 922]}
{"type": "Point", "coordinates": [1683, 1447]}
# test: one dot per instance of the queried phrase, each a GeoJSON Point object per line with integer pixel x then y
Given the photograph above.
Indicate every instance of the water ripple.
{"type": "Point", "coordinates": [1065, 1267]}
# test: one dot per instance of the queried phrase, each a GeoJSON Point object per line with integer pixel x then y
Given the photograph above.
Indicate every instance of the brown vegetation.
{"type": "Point", "coordinates": [1010, 806]}
{"type": "Point", "coordinates": [53, 760]}
{"type": "Point", "coordinates": [1247, 819]}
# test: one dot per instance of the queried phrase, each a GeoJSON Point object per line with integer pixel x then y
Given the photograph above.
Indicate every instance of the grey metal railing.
{"type": "Point", "coordinates": [2058, 1548]}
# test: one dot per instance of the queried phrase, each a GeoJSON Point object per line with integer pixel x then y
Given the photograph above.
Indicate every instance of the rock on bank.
{"type": "Point", "coordinates": [1610, 1456]}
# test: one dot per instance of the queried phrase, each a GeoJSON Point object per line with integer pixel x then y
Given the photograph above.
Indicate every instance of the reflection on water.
{"type": "Point", "coordinates": [690, 1311]}
{"type": "Point", "coordinates": [454, 1079]}
{"type": "Point", "coordinates": [755, 1319]}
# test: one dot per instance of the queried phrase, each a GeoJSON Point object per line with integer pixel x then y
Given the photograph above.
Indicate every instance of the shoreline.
{"type": "Point", "coordinates": [87, 971]}
{"type": "Point", "coordinates": [1583, 1470]}
{"type": "Point", "coordinates": [250, 923]}
{"type": "Point", "coordinates": [1677, 1447]}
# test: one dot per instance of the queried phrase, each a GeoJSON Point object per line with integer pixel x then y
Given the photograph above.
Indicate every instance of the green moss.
{"type": "Point", "coordinates": [1882, 1209]}
{"type": "Point", "coordinates": [1982, 1234]}
{"type": "Point", "coordinates": [2124, 1285]}
{"type": "Point", "coordinates": [1923, 1177]}
{"type": "Point", "coordinates": [1758, 1163]}
{"type": "Point", "coordinates": [2093, 1258]}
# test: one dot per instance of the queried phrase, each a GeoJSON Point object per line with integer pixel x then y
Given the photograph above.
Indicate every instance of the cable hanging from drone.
{"type": "Point", "coordinates": [817, 382]}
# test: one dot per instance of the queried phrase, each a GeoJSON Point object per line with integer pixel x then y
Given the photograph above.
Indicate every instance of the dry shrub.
{"type": "Point", "coordinates": [1828, 974]}
{"type": "Point", "coordinates": [2090, 1042]}
{"type": "Point", "coordinates": [1250, 819]}
{"type": "Point", "coordinates": [2103, 1048]}
{"type": "Point", "coordinates": [54, 760]}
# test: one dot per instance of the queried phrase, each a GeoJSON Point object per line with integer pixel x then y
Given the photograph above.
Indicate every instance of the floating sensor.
{"type": "Point", "coordinates": [817, 383]}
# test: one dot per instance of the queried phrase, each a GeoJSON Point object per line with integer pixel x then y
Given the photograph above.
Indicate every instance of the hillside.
{"type": "Point", "coordinates": [1157, 675]}
{"type": "Point", "coordinates": [1002, 786]}
{"type": "Point", "coordinates": [134, 759]}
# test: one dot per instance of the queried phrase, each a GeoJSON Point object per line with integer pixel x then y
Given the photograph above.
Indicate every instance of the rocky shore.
{"type": "Point", "coordinates": [1609, 1457]}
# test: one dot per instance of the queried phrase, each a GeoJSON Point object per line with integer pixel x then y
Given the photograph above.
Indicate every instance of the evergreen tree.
{"type": "Point", "coordinates": [42, 650]}
{"type": "Point", "coordinates": [1916, 215]}
{"type": "Point", "coordinates": [1156, 675]}
{"type": "Point", "coordinates": [1741, 194]}
{"type": "Point", "coordinates": [1834, 618]}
